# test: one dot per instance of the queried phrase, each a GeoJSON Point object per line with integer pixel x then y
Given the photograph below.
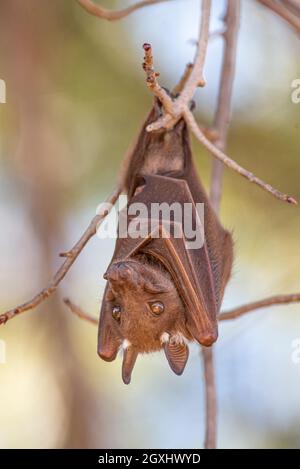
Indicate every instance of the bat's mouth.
{"type": "Point", "coordinates": [131, 278]}
{"type": "Point", "coordinates": [174, 346]}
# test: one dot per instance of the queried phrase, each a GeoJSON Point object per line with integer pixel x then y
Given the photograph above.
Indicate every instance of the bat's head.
{"type": "Point", "coordinates": [143, 312]}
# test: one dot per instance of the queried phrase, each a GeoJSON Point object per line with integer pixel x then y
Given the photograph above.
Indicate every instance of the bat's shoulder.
{"type": "Point", "coordinates": [156, 188]}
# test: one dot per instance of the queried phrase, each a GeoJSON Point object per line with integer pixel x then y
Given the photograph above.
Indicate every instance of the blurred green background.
{"type": "Point", "coordinates": [76, 97]}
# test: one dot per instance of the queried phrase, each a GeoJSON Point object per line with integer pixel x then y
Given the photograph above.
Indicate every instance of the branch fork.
{"type": "Point", "coordinates": [179, 108]}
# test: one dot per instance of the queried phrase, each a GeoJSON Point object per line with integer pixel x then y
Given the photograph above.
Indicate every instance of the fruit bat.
{"type": "Point", "coordinates": [161, 294]}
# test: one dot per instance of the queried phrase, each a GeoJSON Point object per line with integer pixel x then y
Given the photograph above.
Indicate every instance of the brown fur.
{"type": "Point", "coordinates": [190, 284]}
{"type": "Point", "coordinates": [131, 283]}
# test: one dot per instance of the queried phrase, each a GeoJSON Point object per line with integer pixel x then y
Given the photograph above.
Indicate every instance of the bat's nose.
{"type": "Point", "coordinates": [119, 272]}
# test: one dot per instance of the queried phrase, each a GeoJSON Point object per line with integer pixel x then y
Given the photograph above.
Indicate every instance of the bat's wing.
{"type": "Point", "coordinates": [192, 269]}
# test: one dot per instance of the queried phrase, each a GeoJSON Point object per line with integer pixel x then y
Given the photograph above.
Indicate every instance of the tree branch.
{"type": "Point", "coordinates": [111, 15]}
{"type": "Point", "coordinates": [151, 80]}
{"type": "Point", "coordinates": [281, 10]}
{"type": "Point", "coordinates": [79, 312]}
{"type": "Point", "coordinates": [220, 155]}
{"type": "Point", "coordinates": [193, 79]}
{"type": "Point", "coordinates": [293, 5]}
{"type": "Point", "coordinates": [179, 107]}
{"type": "Point", "coordinates": [196, 77]}
{"type": "Point", "coordinates": [273, 300]}
{"type": "Point", "coordinates": [221, 124]}
{"type": "Point", "coordinates": [181, 84]}
{"type": "Point", "coordinates": [223, 111]}
{"type": "Point", "coordinates": [209, 133]}
{"type": "Point", "coordinates": [210, 398]}
{"type": "Point", "coordinates": [71, 256]}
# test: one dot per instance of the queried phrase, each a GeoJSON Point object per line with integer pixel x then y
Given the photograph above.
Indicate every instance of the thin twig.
{"type": "Point", "coordinates": [71, 256]}
{"type": "Point", "coordinates": [220, 155]}
{"type": "Point", "coordinates": [179, 107]}
{"type": "Point", "coordinates": [193, 80]}
{"type": "Point", "coordinates": [210, 398]}
{"type": "Point", "coordinates": [79, 312]}
{"type": "Point", "coordinates": [283, 12]}
{"type": "Point", "coordinates": [209, 133]}
{"type": "Point", "coordinates": [221, 124]}
{"type": "Point", "coordinates": [151, 80]}
{"type": "Point", "coordinates": [216, 34]}
{"type": "Point", "coordinates": [112, 15]}
{"type": "Point", "coordinates": [223, 111]}
{"type": "Point", "coordinates": [273, 300]}
{"type": "Point", "coordinates": [196, 77]}
{"type": "Point", "coordinates": [293, 5]}
{"type": "Point", "coordinates": [181, 84]}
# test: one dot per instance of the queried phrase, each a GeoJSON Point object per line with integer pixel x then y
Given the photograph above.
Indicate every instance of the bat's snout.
{"type": "Point", "coordinates": [122, 273]}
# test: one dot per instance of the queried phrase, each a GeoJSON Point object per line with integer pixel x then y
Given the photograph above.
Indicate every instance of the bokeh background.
{"type": "Point", "coordinates": [76, 97]}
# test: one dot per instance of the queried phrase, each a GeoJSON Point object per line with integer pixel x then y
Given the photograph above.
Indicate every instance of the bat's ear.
{"type": "Point", "coordinates": [129, 359]}
{"type": "Point", "coordinates": [108, 340]}
{"type": "Point", "coordinates": [108, 344]}
{"type": "Point", "coordinates": [177, 355]}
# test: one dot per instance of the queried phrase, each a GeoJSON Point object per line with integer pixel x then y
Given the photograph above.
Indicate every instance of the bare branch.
{"type": "Point", "coordinates": [281, 10]}
{"type": "Point", "coordinates": [293, 5]}
{"type": "Point", "coordinates": [209, 133]}
{"type": "Point", "coordinates": [210, 399]}
{"type": "Point", "coordinates": [220, 155]}
{"type": "Point", "coordinates": [273, 300]}
{"type": "Point", "coordinates": [111, 15]}
{"type": "Point", "coordinates": [151, 80]}
{"type": "Point", "coordinates": [221, 124]}
{"type": "Point", "coordinates": [181, 84]}
{"type": "Point", "coordinates": [223, 111]}
{"type": "Point", "coordinates": [71, 256]}
{"type": "Point", "coordinates": [196, 77]}
{"type": "Point", "coordinates": [179, 107]}
{"type": "Point", "coordinates": [193, 79]}
{"type": "Point", "coordinates": [162, 95]}
{"type": "Point", "coordinates": [217, 33]}
{"type": "Point", "coordinates": [79, 312]}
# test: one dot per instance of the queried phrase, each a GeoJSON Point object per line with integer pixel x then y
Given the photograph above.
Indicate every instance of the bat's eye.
{"type": "Point", "coordinates": [157, 307]}
{"type": "Point", "coordinates": [116, 313]}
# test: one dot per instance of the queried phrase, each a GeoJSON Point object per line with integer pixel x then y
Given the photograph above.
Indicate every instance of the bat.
{"type": "Point", "coordinates": [161, 294]}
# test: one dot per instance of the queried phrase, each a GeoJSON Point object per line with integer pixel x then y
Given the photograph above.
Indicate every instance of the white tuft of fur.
{"type": "Point", "coordinates": [126, 344]}
{"type": "Point", "coordinates": [178, 338]}
{"type": "Point", "coordinates": [164, 338]}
